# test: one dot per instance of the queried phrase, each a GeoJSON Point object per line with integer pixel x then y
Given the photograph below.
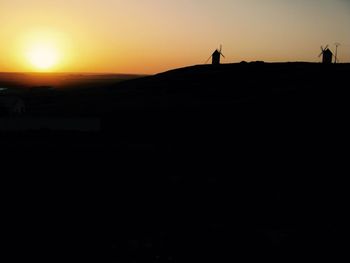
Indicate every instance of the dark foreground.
{"type": "Point", "coordinates": [240, 162]}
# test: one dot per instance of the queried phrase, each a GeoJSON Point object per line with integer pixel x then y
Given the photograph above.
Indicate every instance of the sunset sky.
{"type": "Point", "coordinates": [150, 36]}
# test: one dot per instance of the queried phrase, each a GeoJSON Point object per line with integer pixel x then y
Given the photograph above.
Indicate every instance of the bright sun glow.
{"type": "Point", "coordinates": [43, 56]}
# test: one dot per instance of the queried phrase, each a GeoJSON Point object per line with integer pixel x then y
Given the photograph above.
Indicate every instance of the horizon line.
{"type": "Point", "coordinates": [145, 74]}
{"type": "Point", "coordinates": [71, 72]}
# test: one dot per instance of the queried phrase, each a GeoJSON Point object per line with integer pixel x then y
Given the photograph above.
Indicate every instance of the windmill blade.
{"type": "Point", "coordinates": [322, 50]}
{"type": "Point", "coordinates": [220, 51]}
{"type": "Point", "coordinates": [326, 47]}
{"type": "Point", "coordinates": [208, 59]}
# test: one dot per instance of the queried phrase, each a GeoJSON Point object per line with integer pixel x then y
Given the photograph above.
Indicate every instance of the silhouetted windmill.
{"type": "Point", "coordinates": [327, 55]}
{"type": "Point", "coordinates": [216, 56]}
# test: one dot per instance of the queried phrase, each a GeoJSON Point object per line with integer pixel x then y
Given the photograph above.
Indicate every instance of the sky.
{"type": "Point", "coordinates": [150, 36]}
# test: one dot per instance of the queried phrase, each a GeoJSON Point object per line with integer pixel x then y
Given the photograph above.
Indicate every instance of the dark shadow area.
{"type": "Point", "coordinates": [238, 162]}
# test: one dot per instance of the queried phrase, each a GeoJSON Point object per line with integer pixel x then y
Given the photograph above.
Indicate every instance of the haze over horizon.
{"type": "Point", "coordinates": [146, 37]}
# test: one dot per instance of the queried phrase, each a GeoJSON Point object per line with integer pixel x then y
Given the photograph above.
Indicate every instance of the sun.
{"type": "Point", "coordinates": [43, 56]}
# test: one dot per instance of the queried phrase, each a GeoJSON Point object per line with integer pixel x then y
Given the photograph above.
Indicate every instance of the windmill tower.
{"type": "Point", "coordinates": [327, 55]}
{"type": "Point", "coordinates": [216, 56]}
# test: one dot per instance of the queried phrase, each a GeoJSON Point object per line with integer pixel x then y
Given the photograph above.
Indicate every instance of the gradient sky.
{"type": "Point", "coordinates": [150, 36]}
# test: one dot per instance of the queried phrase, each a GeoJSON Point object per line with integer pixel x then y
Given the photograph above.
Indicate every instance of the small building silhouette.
{"type": "Point", "coordinates": [216, 57]}
{"type": "Point", "coordinates": [327, 56]}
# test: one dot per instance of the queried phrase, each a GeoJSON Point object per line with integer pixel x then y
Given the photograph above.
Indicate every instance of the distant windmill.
{"type": "Point", "coordinates": [327, 55]}
{"type": "Point", "coordinates": [216, 56]}
{"type": "Point", "coordinates": [336, 52]}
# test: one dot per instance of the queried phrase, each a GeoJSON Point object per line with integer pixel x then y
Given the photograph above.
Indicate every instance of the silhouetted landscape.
{"type": "Point", "coordinates": [216, 163]}
{"type": "Point", "coordinates": [184, 107]}
{"type": "Point", "coordinates": [165, 131]}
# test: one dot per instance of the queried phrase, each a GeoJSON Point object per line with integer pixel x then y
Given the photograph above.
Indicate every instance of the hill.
{"type": "Point", "coordinates": [247, 100]}
{"type": "Point", "coordinates": [237, 161]}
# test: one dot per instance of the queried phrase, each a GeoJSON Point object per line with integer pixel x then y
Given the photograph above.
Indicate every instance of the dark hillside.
{"type": "Point", "coordinates": [246, 108]}
{"type": "Point", "coordinates": [201, 109]}
{"type": "Point", "coordinates": [236, 162]}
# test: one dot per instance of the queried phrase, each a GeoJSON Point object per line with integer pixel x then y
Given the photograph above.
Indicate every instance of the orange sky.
{"type": "Point", "coordinates": [150, 36]}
